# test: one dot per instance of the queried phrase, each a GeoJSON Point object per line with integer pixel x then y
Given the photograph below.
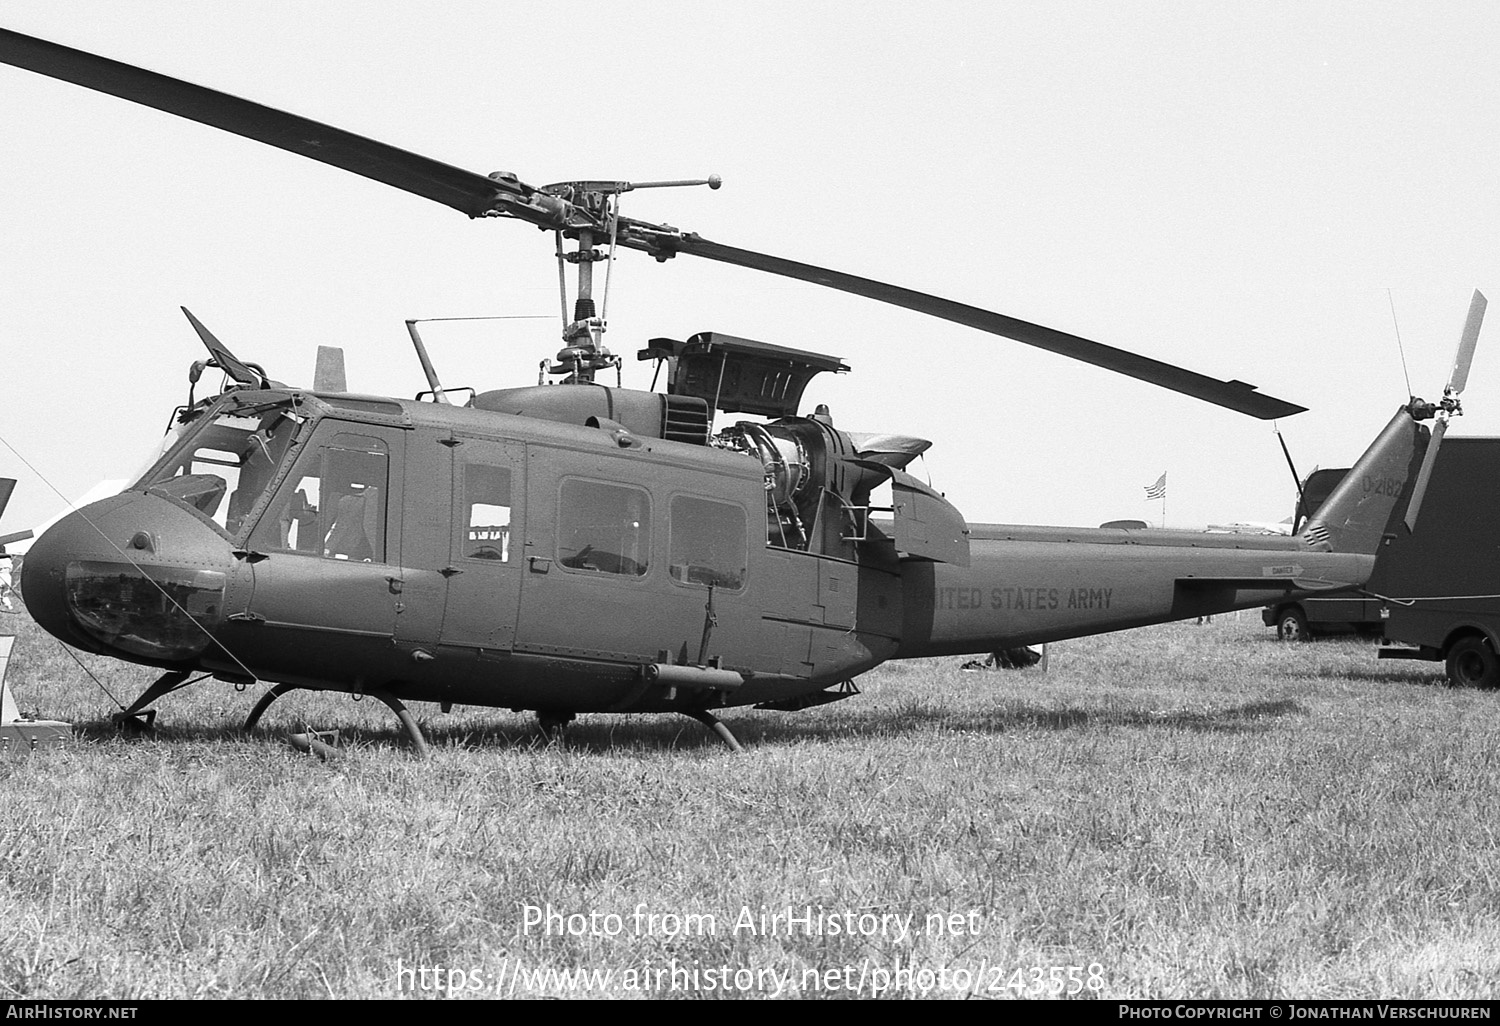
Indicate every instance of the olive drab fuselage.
{"type": "Point", "coordinates": [507, 557]}
{"type": "Point", "coordinates": [461, 555]}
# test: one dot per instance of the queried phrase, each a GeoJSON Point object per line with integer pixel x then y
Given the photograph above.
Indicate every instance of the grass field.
{"type": "Point", "coordinates": [1178, 811]}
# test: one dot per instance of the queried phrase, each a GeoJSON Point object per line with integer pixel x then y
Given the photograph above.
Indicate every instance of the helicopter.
{"type": "Point", "coordinates": [572, 547]}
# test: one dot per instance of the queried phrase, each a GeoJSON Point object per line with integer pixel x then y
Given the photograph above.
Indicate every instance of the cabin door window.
{"type": "Point", "coordinates": [485, 513]}
{"type": "Point", "coordinates": [707, 542]}
{"type": "Point", "coordinates": [333, 504]}
{"type": "Point", "coordinates": [603, 528]}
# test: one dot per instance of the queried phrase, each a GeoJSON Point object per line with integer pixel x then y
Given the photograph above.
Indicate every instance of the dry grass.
{"type": "Point", "coordinates": [1178, 811]}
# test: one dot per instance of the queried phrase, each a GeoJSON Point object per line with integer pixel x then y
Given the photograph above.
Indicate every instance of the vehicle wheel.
{"type": "Point", "coordinates": [1473, 664]}
{"type": "Point", "coordinates": [1291, 625]}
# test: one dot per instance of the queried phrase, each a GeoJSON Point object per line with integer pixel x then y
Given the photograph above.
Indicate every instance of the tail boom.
{"type": "Point", "coordinates": [1027, 585]}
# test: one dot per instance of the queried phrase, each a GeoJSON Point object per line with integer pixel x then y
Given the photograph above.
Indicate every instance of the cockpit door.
{"type": "Point", "coordinates": [322, 561]}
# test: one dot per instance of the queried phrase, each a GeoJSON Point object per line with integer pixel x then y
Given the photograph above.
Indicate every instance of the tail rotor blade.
{"type": "Point", "coordinates": [1449, 407]}
{"type": "Point", "coordinates": [1425, 474]}
{"type": "Point", "coordinates": [1466, 343]}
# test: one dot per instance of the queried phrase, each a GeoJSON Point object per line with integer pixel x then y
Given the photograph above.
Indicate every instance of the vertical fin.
{"type": "Point", "coordinates": [1355, 516]}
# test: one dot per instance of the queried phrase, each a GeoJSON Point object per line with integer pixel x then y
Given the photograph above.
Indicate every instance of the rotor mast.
{"type": "Point", "coordinates": [594, 217]}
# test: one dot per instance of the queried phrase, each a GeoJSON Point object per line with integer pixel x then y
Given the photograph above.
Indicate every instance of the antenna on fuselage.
{"type": "Point", "coordinates": [432, 379]}
{"type": "Point", "coordinates": [438, 395]}
{"type": "Point", "coordinates": [328, 372]}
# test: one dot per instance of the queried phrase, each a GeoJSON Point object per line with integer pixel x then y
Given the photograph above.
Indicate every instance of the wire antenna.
{"type": "Point", "coordinates": [1297, 481]}
{"type": "Point", "coordinates": [428, 370]}
{"type": "Point", "coordinates": [1399, 347]}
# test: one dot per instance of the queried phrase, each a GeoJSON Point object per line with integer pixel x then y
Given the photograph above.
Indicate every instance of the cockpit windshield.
{"type": "Point", "coordinates": [223, 463]}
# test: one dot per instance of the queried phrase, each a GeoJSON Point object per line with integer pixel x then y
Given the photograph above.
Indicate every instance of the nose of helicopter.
{"type": "Point", "coordinates": [135, 576]}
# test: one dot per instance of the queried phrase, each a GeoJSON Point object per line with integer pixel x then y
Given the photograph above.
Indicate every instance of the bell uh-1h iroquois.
{"type": "Point", "coordinates": [575, 547]}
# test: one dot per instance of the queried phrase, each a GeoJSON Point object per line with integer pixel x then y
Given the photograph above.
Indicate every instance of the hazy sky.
{"type": "Point", "coordinates": [1244, 189]}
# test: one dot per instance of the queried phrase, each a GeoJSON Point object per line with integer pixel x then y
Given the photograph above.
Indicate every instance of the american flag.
{"type": "Point", "coordinates": [1158, 490]}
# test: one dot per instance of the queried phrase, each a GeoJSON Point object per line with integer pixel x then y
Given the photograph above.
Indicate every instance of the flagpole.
{"type": "Point", "coordinates": [1159, 491]}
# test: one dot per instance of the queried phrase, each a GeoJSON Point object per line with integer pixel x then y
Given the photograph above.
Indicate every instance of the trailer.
{"type": "Point", "coordinates": [1439, 585]}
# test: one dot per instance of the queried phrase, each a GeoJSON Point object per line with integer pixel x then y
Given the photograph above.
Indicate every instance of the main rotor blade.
{"type": "Point", "coordinates": [1466, 343]}
{"type": "Point", "coordinates": [1236, 395]}
{"type": "Point", "coordinates": [478, 195]}
{"type": "Point", "coordinates": [472, 193]}
{"type": "Point", "coordinates": [1419, 489]}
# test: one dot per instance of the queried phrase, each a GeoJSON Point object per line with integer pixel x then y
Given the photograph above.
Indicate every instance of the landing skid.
{"type": "Point", "coordinates": [718, 726]}
{"type": "Point", "coordinates": [408, 721]}
{"type": "Point", "coordinates": [265, 703]}
{"type": "Point", "coordinates": [413, 731]}
{"type": "Point", "coordinates": [137, 717]}
{"type": "Point", "coordinates": [314, 744]}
